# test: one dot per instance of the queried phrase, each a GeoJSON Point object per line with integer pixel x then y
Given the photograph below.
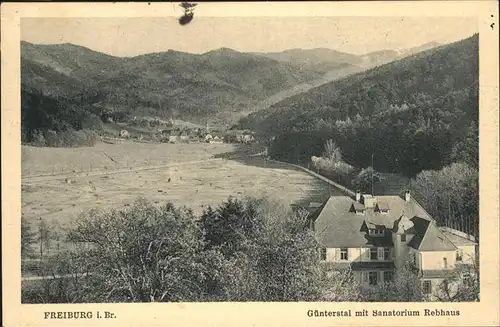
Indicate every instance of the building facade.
{"type": "Point", "coordinates": [377, 236]}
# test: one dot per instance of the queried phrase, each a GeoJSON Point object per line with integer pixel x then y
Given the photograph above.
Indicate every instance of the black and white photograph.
{"type": "Point", "coordinates": [194, 159]}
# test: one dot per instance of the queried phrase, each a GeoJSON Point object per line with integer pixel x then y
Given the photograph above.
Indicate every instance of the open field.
{"type": "Point", "coordinates": [43, 160]}
{"type": "Point", "coordinates": [194, 185]}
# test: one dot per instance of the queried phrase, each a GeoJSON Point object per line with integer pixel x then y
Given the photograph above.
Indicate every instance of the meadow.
{"type": "Point", "coordinates": [50, 161]}
{"type": "Point", "coordinates": [196, 175]}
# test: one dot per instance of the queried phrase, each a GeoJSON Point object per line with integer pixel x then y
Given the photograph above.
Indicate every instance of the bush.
{"type": "Point", "coordinates": [38, 139]}
{"type": "Point", "coordinates": [92, 122]}
{"type": "Point", "coordinates": [363, 182]}
{"type": "Point", "coordinates": [70, 138]}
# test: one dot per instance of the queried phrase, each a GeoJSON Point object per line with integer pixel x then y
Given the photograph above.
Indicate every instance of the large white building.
{"type": "Point", "coordinates": [376, 236]}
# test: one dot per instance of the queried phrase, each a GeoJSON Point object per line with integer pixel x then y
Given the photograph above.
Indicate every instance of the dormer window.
{"type": "Point", "coordinates": [382, 208]}
{"type": "Point", "coordinates": [358, 208]}
{"type": "Point", "coordinates": [376, 232]}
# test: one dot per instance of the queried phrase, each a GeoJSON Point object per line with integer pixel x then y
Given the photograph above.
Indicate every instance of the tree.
{"type": "Point", "coordinates": [365, 179]}
{"type": "Point", "coordinates": [332, 151]}
{"type": "Point", "coordinates": [44, 236]}
{"type": "Point", "coordinates": [341, 286]}
{"type": "Point", "coordinates": [145, 254]}
{"type": "Point", "coordinates": [451, 195]}
{"type": "Point", "coordinates": [461, 286]}
{"type": "Point", "coordinates": [27, 237]}
{"type": "Point", "coordinates": [273, 256]}
{"type": "Point", "coordinates": [405, 286]}
{"type": "Point", "coordinates": [38, 139]}
{"type": "Point", "coordinates": [285, 256]}
{"type": "Point", "coordinates": [229, 225]}
{"type": "Point", "coordinates": [467, 151]}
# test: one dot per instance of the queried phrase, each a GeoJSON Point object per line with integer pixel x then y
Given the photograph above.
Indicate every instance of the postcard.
{"type": "Point", "coordinates": [250, 164]}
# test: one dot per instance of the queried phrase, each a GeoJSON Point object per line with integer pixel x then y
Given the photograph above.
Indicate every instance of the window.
{"type": "Point", "coordinates": [459, 255]}
{"type": "Point", "coordinates": [427, 287]}
{"type": "Point", "coordinates": [376, 232]}
{"type": "Point", "coordinates": [322, 254]}
{"type": "Point", "coordinates": [373, 254]}
{"type": "Point", "coordinates": [380, 253]}
{"type": "Point", "coordinates": [445, 262]}
{"type": "Point", "coordinates": [387, 253]}
{"type": "Point", "coordinates": [388, 276]}
{"type": "Point", "coordinates": [344, 254]}
{"type": "Point", "coordinates": [403, 238]}
{"type": "Point", "coordinates": [372, 278]}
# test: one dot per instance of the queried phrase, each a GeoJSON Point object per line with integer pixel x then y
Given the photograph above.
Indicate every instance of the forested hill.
{"type": "Point", "coordinates": [188, 86]}
{"type": "Point", "coordinates": [413, 114]}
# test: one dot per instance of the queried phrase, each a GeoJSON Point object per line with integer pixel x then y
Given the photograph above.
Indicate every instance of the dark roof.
{"type": "Point", "coordinates": [337, 226]}
{"type": "Point", "coordinates": [428, 237]}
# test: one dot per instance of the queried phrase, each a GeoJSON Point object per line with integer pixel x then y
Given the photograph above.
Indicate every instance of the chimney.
{"type": "Point", "coordinates": [407, 196]}
{"type": "Point", "coordinates": [358, 196]}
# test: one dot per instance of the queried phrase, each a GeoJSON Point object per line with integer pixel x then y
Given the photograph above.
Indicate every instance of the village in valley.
{"type": "Point", "coordinates": [167, 132]}
{"type": "Point", "coordinates": [305, 174]}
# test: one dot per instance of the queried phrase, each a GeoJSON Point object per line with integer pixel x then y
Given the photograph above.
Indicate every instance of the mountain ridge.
{"type": "Point", "coordinates": [214, 84]}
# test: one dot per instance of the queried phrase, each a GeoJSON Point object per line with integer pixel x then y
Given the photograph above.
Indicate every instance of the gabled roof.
{"type": "Point", "coordinates": [336, 225]}
{"type": "Point", "coordinates": [404, 226]}
{"type": "Point", "coordinates": [429, 238]}
{"type": "Point", "coordinates": [456, 239]}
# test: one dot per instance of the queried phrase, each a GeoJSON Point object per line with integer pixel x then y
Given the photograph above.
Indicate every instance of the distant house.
{"type": "Point", "coordinates": [247, 138]}
{"type": "Point", "coordinates": [124, 134]}
{"type": "Point", "coordinates": [208, 137]}
{"type": "Point", "coordinates": [375, 235]}
{"type": "Point", "coordinates": [216, 139]}
{"type": "Point", "coordinates": [184, 136]}
{"type": "Point", "coordinates": [174, 137]}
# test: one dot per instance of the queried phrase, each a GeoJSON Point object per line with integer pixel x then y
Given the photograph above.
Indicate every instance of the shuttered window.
{"type": "Point", "coordinates": [380, 253]}
{"type": "Point", "coordinates": [388, 276]}
{"type": "Point", "coordinates": [344, 254]}
{"type": "Point", "coordinates": [372, 277]}
{"type": "Point", "coordinates": [387, 254]}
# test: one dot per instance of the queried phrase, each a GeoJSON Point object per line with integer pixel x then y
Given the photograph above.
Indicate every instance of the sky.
{"type": "Point", "coordinates": [126, 37]}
